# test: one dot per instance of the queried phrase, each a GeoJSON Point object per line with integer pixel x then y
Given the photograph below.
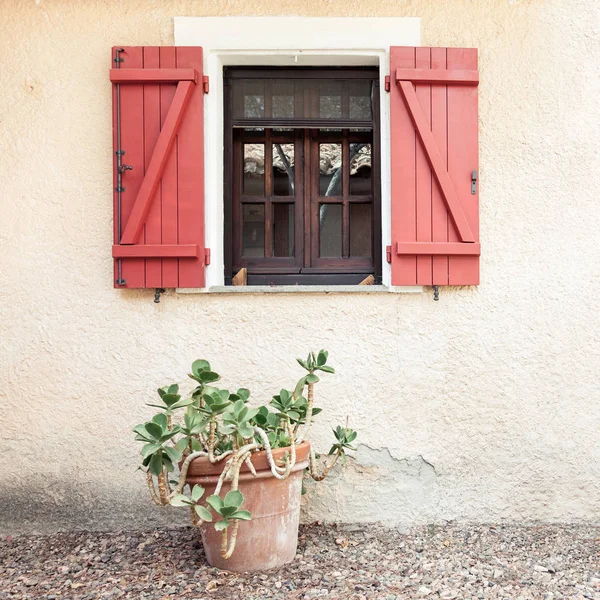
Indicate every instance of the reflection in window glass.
{"type": "Point", "coordinates": [330, 230]}
{"type": "Point", "coordinates": [360, 169]}
{"type": "Point", "coordinates": [360, 229]}
{"type": "Point", "coordinates": [253, 230]}
{"type": "Point", "coordinates": [283, 169]}
{"type": "Point", "coordinates": [359, 100]}
{"type": "Point", "coordinates": [254, 170]}
{"type": "Point", "coordinates": [254, 106]}
{"type": "Point", "coordinates": [283, 229]}
{"type": "Point", "coordinates": [330, 169]}
{"type": "Point", "coordinates": [330, 100]}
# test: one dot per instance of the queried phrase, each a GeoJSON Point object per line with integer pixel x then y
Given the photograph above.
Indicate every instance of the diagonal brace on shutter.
{"type": "Point", "coordinates": [435, 161]}
{"type": "Point", "coordinates": [158, 162]}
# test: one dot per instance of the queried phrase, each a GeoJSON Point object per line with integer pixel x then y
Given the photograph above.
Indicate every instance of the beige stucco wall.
{"type": "Point", "coordinates": [484, 406]}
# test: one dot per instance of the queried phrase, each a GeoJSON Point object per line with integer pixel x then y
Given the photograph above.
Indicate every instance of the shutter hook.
{"type": "Point", "coordinates": [157, 294]}
{"type": "Point", "coordinates": [436, 292]}
{"type": "Point", "coordinates": [123, 168]}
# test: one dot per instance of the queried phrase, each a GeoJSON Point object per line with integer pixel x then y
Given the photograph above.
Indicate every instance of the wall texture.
{"type": "Point", "coordinates": [483, 406]}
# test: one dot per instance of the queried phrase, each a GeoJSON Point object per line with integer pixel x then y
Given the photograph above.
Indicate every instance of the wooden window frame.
{"type": "Point", "coordinates": [305, 267]}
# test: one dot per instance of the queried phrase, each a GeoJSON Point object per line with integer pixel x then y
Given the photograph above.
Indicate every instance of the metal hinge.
{"type": "Point", "coordinates": [388, 253]}
{"type": "Point", "coordinates": [387, 83]}
{"type": "Point", "coordinates": [206, 256]}
{"type": "Point", "coordinates": [474, 182]}
{"type": "Point", "coordinates": [205, 84]}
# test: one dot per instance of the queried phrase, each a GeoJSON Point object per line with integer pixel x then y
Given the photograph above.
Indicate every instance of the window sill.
{"type": "Point", "coordinates": [303, 289]}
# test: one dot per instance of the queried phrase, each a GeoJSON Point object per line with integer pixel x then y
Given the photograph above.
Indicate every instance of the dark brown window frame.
{"type": "Point", "coordinates": [305, 267]}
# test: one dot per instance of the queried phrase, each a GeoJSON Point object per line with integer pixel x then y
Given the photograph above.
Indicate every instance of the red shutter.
{"type": "Point", "coordinates": [434, 160]}
{"type": "Point", "coordinates": [158, 101]}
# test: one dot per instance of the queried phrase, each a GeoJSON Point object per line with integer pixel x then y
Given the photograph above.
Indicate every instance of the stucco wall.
{"type": "Point", "coordinates": [483, 406]}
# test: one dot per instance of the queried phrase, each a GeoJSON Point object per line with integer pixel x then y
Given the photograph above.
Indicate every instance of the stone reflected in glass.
{"type": "Point", "coordinates": [283, 169]}
{"type": "Point", "coordinates": [283, 99]}
{"type": "Point", "coordinates": [360, 170]}
{"type": "Point", "coordinates": [254, 170]}
{"type": "Point", "coordinates": [359, 100]}
{"type": "Point", "coordinates": [283, 230]}
{"type": "Point", "coordinates": [361, 216]}
{"type": "Point", "coordinates": [253, 230]}
{"type": "Point", "coordinates": [330, 230]}
{"type": "Point", "coordinates": [330, 169]}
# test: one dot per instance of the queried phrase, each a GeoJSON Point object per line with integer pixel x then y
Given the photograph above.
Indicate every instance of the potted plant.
{"type": "Point", "coordinates": [243, 465]}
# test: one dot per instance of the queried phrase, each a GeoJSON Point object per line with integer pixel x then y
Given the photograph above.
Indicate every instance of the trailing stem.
{"type": "Point", "coordinates": [328, 466]}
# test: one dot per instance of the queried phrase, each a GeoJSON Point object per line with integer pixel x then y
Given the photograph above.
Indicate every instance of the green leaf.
{"type": "Point", "coordinates": [302, 363]}
{"type": "Point", "coordinates": [299, 387]}
{"type": "Point", "coordinates": [197, 492]}
{"type": "Point", "coordinates": [234, 498]}
{"type": "Point", "coordinates": [198, 366]}
{"type": "Point", "coordinates": [322, 357]}
{"type": "Point", "coordinates": [312, 378]}
{"type": "Point", "coordinates": [180, 500]}
{"type": "Point", "coordinates": [208, 376]}
{"type": "Point", "coordinates": [181, 445]}
{"type": "Point", "coordinates": [351, 437]}
{"type": "Point", "coordinates": [326, 369]}
{"type": "Point", "coordinates": [242, 515]}
{"type": "Point", "coordinates": [182, 403]}
{"type": "Point", "coordinates": [169, 434]}
{"type": "Point", "coordinates": [155, 431]}
{"type": "Point", "coordinates": [155, 464]}
{"type": "Point", "coordinates": [221, 525]}
{"type": "Point", "coordinates": [227, 511]}
{"type": "Point", "coordinates": [173, 389]}
{"type": "Point", "coordinates": [160, 419]}
{"type": "Point", "coordinates": [149, 449]}
{"type": "Point", "coordinates": [246, 431]}
{"type": "Point", "coordinates": [203, 513]}
{"type": "Point", "coordinates": [142, 434]}
{"type": "Point", "coordinates": [173, 453]}
{"type": "Point", "coordinates": [215, 502]}
{"type": "Point", "coordinates": [244, 394]}
{"type": "Point", "coordinates": [196, 445]}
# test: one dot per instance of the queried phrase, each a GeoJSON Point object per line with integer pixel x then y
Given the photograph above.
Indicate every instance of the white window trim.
{"type": "Point", "coordinates": [288, 41]}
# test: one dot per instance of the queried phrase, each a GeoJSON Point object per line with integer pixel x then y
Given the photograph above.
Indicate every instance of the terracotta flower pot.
{"type": "Point", "coordinates": [270, 539]}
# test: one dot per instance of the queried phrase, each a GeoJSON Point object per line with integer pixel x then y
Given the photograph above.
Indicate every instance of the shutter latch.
{"type": "Point", "coordinates": [388, 254]}
{"type": "Point", "coordinates": [206, 256]}
{"type": "Point", "coordinates": [436, 292]}
{"type": "Point", "coordinates": [474, 182]}
{"type": "Point", "coordinates": [123, 168]}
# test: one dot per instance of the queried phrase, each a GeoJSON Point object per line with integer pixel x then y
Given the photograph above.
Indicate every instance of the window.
{"type": "Point", "coordinates": [302, 178]}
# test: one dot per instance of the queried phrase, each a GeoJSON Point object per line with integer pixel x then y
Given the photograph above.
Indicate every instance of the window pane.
{"type": "Point", "coordinates": [330, 230]}
{"type": "Point", "coordinates": [359, 101]}
{"type": "Point", "coordinates": [253, 230]}
{"type": "Point", "coordinates": [283, 99]}
{"type": "Point", "coordinates": [283, 169]}
{"type": "Point", "coordinates": [254, 169]}
{"type": "Point", "coordinates": [360, 229]}
{"type": "Point", "coordinates": [283, 229]}
{"type": "Point", "coordinates": [330, 167]}
{"type": "Point", "coordinates": [360, 169]}
{"type": "Point", "coordinates": [330, 100]}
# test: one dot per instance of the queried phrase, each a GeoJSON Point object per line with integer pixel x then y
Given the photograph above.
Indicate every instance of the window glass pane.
{"type": "Point", "coordinates": [253, 98]}
{"type": "Point", "coordinates": [283, 169]}
{"type": "Point", "coordinates": [283, 99]}
{"type": "Point", "coordinates": [330, 230]}
{"type": "Point", "coordinates": [360, 169]}
{"type": "Point", "coordinates": [359, 101]}
{"type": "Point", "coordinates": [283, 229]}
{"type": "Point", "coordinates": [330, 100]}
{"type": "Point", "coordinates": [254, 170]}
{"type": "Point", "coordinates": [253, 230]}
{"type": "Point", "coordinates": [330, 169]}
{"type": "Point", "coordinates": [360, 229]}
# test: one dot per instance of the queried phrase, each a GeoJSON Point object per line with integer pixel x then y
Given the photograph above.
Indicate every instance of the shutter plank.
{"type": "Point", "coordinates": [190, 173]}
{"type": "Point", "coordinates": [132, 142]}
{"type": "Point", "coordinates": [439, 216]}
{"type": "Point", "coordinates": [152, 226]}
{"type": "Point", "coordinates": [423, 173]}
{"type": "Point", "coordinates": [463, 159]}
{"type": "Point", "coordinates": [403, 164]}
{"type": "Point", "coordinates": [170, 266]}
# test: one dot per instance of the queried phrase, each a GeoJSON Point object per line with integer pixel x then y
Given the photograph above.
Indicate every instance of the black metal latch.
{"type": "Point", "coordinates": [123, 168]}
{"type": "Point", "coordinates": [474, 182]}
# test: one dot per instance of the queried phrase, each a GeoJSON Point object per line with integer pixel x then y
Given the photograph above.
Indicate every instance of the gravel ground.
{"type": "Point", "coordinates": [350, 562]}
